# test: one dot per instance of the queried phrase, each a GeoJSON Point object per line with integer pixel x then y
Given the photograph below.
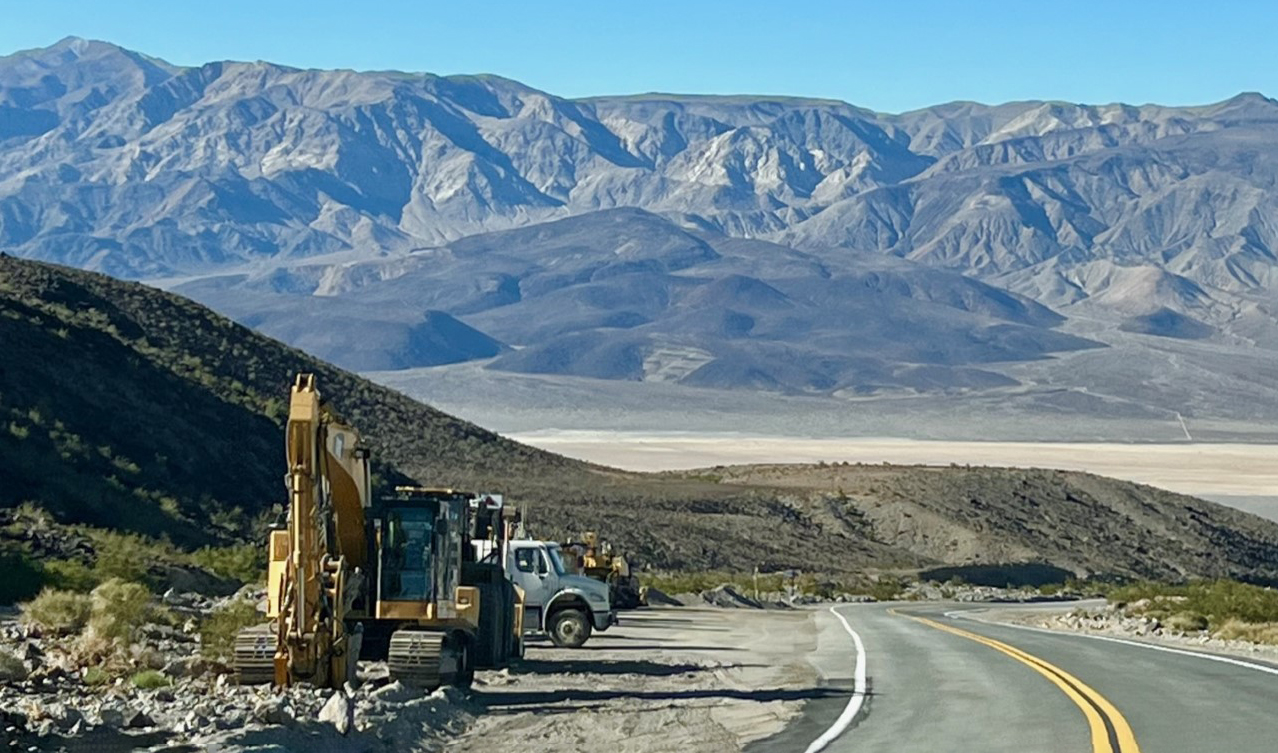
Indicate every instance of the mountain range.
{"type": "Point", "coordinates": [389, 220]}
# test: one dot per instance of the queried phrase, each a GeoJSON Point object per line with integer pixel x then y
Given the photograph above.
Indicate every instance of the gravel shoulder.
{"type": "Point", "coordinates": [697, 680]}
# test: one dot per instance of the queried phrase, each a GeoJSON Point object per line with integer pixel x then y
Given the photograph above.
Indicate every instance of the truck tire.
{"type": "Point", "coordinates": [569, 628]}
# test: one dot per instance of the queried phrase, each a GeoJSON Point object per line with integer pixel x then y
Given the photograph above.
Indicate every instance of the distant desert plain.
{"type": "Point", "coordinates": [1241, 475]}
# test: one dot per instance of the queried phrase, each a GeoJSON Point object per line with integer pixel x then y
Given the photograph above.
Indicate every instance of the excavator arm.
{"type": "Point", "coordinates": [316, 565]}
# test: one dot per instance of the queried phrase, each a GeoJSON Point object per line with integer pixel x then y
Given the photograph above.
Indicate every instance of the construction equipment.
{"type": "Point", "coordinates": [351, 577]}
{"type": "Point", "coordinates": [595, 558]}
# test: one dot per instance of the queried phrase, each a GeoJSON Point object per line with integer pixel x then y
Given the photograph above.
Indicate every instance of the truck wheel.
{"type": "Point", "coordinates": [569, 628]}
{"type": "Point", "coordinates": [466, 666]}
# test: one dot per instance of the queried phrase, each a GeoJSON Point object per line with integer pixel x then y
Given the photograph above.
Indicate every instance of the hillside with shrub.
{"type": "Point", "coordinates": [142, 438]}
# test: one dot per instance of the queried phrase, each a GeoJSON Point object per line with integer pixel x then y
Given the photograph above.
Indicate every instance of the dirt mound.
{"type": "Point", "coordinates": [729, 597]}
{"type": "Point", "coordinates": [659, 598]}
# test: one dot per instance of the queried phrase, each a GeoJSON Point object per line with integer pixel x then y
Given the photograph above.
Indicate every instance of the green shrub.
{"type": "Point", "coordinates": [122, 556]}
{"type": "Point", "coordinates": [119, 608]}
{"type": "Point", "coordinates": [96, 676]}
{"type": "Point", "coordinates": [1186, 622]}
{"type": "Point", "coordinates": [58, 612]}
{"type": "Point", "coordinates": [1218, 601]}
{"type": "Point", "coordinates": [885, 589]}
{"type": "Point", "coordinates": [218, 631]}
{"type": "Point", "coordinates": [244, 562]}
{"type": "Point", "coordinates": [22, 576]}
{"type": "Point", "coordinates": [1255, 632]}
{"type": "Point", "coordinates": [11, 668]}
{"type": "Point", "coordinates": [150, 679]}
{"type": "Point", "coordinates": [70, 575]}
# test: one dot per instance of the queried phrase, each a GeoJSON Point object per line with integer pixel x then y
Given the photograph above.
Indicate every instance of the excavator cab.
{"type": "Point", "coordinates": [417, 535]}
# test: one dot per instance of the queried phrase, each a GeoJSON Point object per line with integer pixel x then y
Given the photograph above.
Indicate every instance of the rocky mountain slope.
{"type": "Point", "coordinates": [1145, 227]}
{"type": "Point", "coordinates": [164, 169]}
{"type": "Point", "coordinates": [125, 407]}
{"type": "Point", "coordinates": [625, 294]}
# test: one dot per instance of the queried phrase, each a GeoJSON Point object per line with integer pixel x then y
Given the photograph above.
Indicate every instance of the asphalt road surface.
{"type": "Point", "coordinates": [936, 679]}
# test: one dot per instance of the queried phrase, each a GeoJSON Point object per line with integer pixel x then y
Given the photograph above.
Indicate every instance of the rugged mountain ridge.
{"type": "Point", "coordinates": [162, 169]}
{"type": "Point", "coordinates": [1144, 219]}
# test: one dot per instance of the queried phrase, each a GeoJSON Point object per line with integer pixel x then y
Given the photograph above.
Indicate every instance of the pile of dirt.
{"type": "Point", "coordinates": [729, 597]}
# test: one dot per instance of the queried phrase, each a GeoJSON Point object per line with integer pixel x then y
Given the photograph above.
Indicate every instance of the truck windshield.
{"type": "Point", "coordinates": [555, 561]}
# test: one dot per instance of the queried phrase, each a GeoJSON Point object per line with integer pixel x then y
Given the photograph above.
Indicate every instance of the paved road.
{"type": "Point", "coordinates": [937, 681]}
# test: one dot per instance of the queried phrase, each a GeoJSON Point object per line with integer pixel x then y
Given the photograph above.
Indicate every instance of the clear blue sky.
{"type": "Point", "coordinates": [889, 56]}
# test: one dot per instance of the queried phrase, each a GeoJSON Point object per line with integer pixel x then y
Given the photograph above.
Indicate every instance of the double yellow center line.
{"type": "Point", "coordinates": [1110, 731]}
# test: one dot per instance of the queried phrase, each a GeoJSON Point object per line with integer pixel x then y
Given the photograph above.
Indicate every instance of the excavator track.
{"type": "Point", "coordinates": [254, 657]}
{"type": "Point", "coordinates": [422, 658]}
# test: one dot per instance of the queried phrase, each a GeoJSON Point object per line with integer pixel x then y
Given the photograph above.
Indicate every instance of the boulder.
{"type": "Point", "coordinates": [396, 692]}
{"type": "Point", "coordinates": [135, 719]}
{"type": "Point", "coordinates": [337, 711]}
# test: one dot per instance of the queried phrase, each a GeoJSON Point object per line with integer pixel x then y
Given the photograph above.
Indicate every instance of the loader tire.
{"type": "Point", "coordinates": [569, 628]}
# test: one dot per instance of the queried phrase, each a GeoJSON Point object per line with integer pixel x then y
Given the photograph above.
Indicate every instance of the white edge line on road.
{"type": "Point", "coordinates": [959, 614]}
{"type": "Point", "coordinates": [858, 694]}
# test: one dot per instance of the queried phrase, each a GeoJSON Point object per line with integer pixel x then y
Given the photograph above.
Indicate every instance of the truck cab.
{"type": "Point", "coordinates": [566, 607]}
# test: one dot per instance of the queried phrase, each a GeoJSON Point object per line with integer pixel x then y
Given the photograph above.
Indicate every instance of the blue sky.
{"type": "Point", "coordinates": [888, 56]}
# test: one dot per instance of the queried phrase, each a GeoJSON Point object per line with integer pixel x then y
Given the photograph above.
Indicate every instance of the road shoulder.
{"type": "Point", "coordinates": [692, 680]}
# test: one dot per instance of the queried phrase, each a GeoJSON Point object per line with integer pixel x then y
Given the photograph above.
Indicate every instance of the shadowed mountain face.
{"type": "Point", "coordinates": [782, 243]}
{"type": "Point", "coordinates": [624, 294]}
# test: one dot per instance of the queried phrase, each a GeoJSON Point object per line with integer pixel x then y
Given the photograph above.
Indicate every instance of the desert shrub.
{"type": "Point", "coordinates": [150, 679]}
{"type": "Point", "coordinates": [244, 562]}
{"type": "Point", "coordinates": [11, 668]}
{"type": "Point", "coordinates": [1255, 632]}
{"type": "Point", "coordinates": [122, 556]}
{"type": "Point", "coordinates": [885, 589]}
{"type": "Point", "coordinates": [218, 631]}
{"type": "Point", "coordinates": [70, 575]}
{"type": "Point", "coordinates": [1218, 601]}
{"type": "Point", "coordinates": [58, 612]}
{"type": "Point", "coordinates": [96, 676]}
{"type": "Point", "coordinates": [1186, 622]}
{"type": "Point", "coordinates": [22, 576]}
{"type": "Point", "coordinates": [92, 650]}
{"type": "Point", "coordinates": [118, 609]}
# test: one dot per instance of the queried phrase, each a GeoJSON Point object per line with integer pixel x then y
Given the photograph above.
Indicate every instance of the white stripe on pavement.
{"type": "Point", "coordinates": [858, 694]}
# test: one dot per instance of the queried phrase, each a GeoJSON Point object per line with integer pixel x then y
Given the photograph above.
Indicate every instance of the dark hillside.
{"type": "Point", "coordinates": [123, 407]}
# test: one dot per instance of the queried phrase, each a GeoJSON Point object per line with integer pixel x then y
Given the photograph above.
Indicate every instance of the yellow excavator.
{"type": "Point", "coordinates": [397, 579]}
